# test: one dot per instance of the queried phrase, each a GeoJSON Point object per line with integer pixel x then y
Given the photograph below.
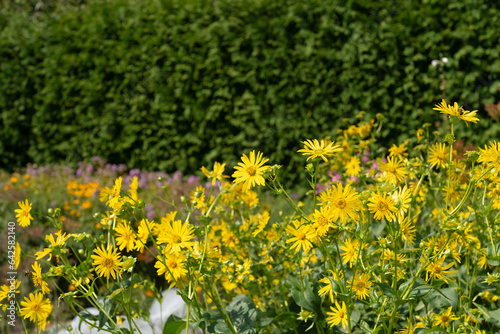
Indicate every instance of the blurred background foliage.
{"type": "Point", "coordinates": [177, 84]}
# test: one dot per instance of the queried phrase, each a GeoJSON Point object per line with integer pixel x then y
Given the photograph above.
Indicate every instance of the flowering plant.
{"type": "Point", "coordinates": [387, 241]}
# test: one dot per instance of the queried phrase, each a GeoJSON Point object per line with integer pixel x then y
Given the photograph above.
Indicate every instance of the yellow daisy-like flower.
{"type": "Point", "coordinates": [344, 202]}
{"type": "Point", "coordinates": [177, 236]}
{"type": "Point", "coordinates": [351, 249]}
{"type": "Point", "coordinates": [382, 206]}
{"type": "Point", "coordinates": [263, 219]}
{"type": "Point", "coordinates": [437, 270]}
{"type": "Point", "coordinates": [438, 153]}
{"type": "Point", "coordinates": [216, 174]}
{"type": "Point", "coordinates": [134, 185]}
{"type": "Point", "coordinates": [353, 167]}
{"type": "Point", "coordinates": [394, 170]}
{"type": "Point", "coordinates": [398, 151]}
{"type": "Point", "coordinates": [172, 266]}
{"type": "Point", "coordinates": [23, 216]}
{"type": "Point", "coordinates": [302, 236]}
{"type": "Point", "coordinates": [322, 219]}
{"type": "Point", "coordinates": [327, 289]}
{"type": "Point", "coordinates": [107, 262]}
{"type": "Point", "coordinates": [444, 319]}
{"type": "Point", "coordinates": [114, 199]}
{"type": "Point", "coordinates": [37, 278]}
{"type": "Point", "coordinates": [250, 170]}
{"type": "Point", "coordinates": [338, 315]}
{"type": "Point", "coordinates": [402, 200]}
{"type": "Point", "coordinates": [361, 285]}
{"type": "Point", "coordinates": [35, 308]}
{"type": "Point", "coordinates": [125, 237]}
{"type": "Point", "coordinates": [145, 228]}
{"type": "Point", "coordinates": [407, 231]}
{"type": "Point", "coordinates": [491, 155]}
{"type": "Point", "coordinates": [455, 110]}
{"type": "Point", "coordinates": [316, 149]}
{"type": "Point", "coordinates": [5, 290]}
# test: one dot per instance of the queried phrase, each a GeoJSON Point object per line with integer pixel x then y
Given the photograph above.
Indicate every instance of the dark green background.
{"type": "Point", "coordinates": [175, 85]}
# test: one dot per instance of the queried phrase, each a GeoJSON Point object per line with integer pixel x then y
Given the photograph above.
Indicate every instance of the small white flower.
{"type": "Point", "coordinates": [444, 60]}
{"type": "Point", "coordinates": [435, 63]}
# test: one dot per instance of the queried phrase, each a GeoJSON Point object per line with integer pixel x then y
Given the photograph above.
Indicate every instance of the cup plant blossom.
{"type": "Point", "coordinates": [401, 240]}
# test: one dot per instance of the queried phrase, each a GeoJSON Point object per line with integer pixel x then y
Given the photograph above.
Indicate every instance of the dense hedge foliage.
{"type": "Point", "coordinates": [170, 84]}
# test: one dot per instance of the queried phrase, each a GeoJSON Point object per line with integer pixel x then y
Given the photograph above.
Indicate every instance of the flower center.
{"type": "Point", "coordinates": [172, 264]}
{"type": "Point", "coordinates": [341, 203]}
{"type": "Point", "coordinates": [177, 239]}
{"type": "Point", "coordinates": [341, 314]}
{"type": "Point", "coordinates": [251, 171]}
{"type": "Point", "coordinates": [301, 236]}
{"type": "Point", "coordinates": [108, 262]}
{"type": "Point", "coordinates": [382, 206]}
{"type": "Point", "coordinates": [35, 307]}
{"type": "Point", "coordinates": [445, 318]}
{"type": "Point", "coordinates": [322, 221]}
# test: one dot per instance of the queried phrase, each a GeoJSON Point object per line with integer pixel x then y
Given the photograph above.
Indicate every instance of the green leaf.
{"type": "Point", "coordinates": [243, 314]}
{"type": "Point", "coordinates": [174, 325]}
{"type": "Point", "coordinates": [442, 298]}
{"type": "Point", "coordinates": [419, 289]}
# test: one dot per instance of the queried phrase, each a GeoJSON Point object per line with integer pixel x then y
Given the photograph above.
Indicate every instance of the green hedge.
{"type": "Point", "coordinates": [167, 85]}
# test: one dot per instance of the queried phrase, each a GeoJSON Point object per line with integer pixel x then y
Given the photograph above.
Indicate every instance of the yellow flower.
{"type": "Point", "coordinates": [438, 154]}
{"type": "Point", "coordinates": [327, 289]}
{"type": "Point", "coordinates": [145, 228]}
{"type": "Point", "coordinates": [302, 236]}
{"type": "Point", "coordinates": [37, 278]}
{"type": "Point", "coordinates": [216, 174]}
{"type": "Point", "coordinates": [177, 236]}
{"type": "Point", "coordinates": [352, 167]}
{"type": "Point", "coordinates": [437, 270]}
{"type": "Point", "coordinates": [5, 290]}
{"type": "Point", "coordinates": [263, 219]}
{"type": "Point", "coordinates": [382, 206]}
{"type": "Point", "coordinates": [402, 200]}
{"type": "Point", "coordinates": [455, 110]}
{"type": "Point", "coordinates": [420, 135]}
{"type": "Point", "coordinates": [198, 197]}
{"type": "Point", "coordinates": [172, 266]}
{"type": "Point", "coordinates": [444, 319]}
{"type": "Point", "coordinates": [322, 219]}
{"type": "Point", "coordinates": [407, 231]}
{"type": "Point", "coordinates": [114, 199]}
{"type": "Point", "coordinates": [351, 250]}
{"type": "Point", "coordinates": [344, 202]}
{"type": "Point", "coordinates": [125, 237]}
{"type": "Point", "coordinates": [398, 151]}
{"type": "Point", "coordinates": [315, 149]}
{"type": "Point", "coordinates": [250, 170]}
{"type": "Point", "coordinates": [23, 216]}
{"type": "Point", "coordinates": [134, 185]}
{"type": "Point", "coordinates": [107, 262]}
{"type": "Point", "coordinates": [491, 155]}
{"type": "Point", "coordinates": [361, 285]}
{"type": "Point", "coordinates": [339, 315]}
{"type": "Point", "coordinates": [394, 170]}
{"type": "Point", "coordinates": [35, 308]}
{"type": "Point", "coordinates": [17, 255]}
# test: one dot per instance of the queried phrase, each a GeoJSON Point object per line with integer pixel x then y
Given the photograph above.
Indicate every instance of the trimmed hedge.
{"type": "Point", "coordinates": [174, 85]}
